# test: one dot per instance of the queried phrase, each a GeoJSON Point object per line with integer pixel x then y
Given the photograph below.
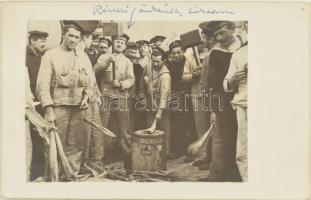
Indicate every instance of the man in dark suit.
{"type": "Point", "coordinates": [34, 52]}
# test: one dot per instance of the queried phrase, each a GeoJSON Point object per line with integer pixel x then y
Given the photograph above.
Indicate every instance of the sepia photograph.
{"type": "Point", "coordinates": [158, 101]}
{"type": "Point", "coordinates": [154, 100]}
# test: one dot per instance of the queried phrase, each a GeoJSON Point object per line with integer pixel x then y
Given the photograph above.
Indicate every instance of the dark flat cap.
{"type": "Point", "coordinates": [210, 27]}
{"type": "Point", "coordinates": [85, 26]}
{"type": "Point", "coordinates": [103, 39]}
{"type": "Point", "coordinates": [124, 37]}
{"type": "Point", "coordinates": [143, 42]}
{"type": "Point", "coordinates": [157, 38]}
{"type": "Point", "coordinates": [174, 44]}
{"type": "Point", "coordinates": [132, 45]}
{"type": "Point", "coordinates": [37, 34]}
{"type": "Point", "coordinates": [158, 51]}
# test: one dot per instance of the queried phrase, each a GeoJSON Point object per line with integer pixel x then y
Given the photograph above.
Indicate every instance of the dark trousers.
{"type": "Point", "coordinates": [183, 128]}
{"type": "Point", "coordinates": [38, 158]}
{"type": "Point", "coordinates": [223, 166]}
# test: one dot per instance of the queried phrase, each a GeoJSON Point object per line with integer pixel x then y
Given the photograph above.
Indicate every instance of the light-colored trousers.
{"type": "Point", "coordinates": [242, 150]}
{"type": "Point", "coordinates": [119, 108]}
{"type": "Point", "coordinates": [71, 130]}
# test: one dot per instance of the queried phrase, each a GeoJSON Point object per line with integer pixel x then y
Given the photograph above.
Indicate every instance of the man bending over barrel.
{"type": "Point", "coordinates": [156, 85]}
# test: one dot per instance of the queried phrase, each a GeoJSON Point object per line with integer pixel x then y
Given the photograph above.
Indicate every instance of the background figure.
{"type": "Point", "coordinates": [137, 116]}
{"type": "Point", "coordinates": [92, 50]}
{"type": "Point", "coordinates": [34, 52]}
{"type": "Point", "coordinates": [182, 119]}
{"type": "Point", "coordinates": [103, 45]}
{"type": "Point", "coordinates": [115, 72]}
{"type": "Point", "coordinates": [93, 153]}
{"type": "Point", "coordinates": [144, 51]}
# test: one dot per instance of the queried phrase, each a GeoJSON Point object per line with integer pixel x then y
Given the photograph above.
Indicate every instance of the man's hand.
{"type": "Point", "coordinates": [196, 72]}
{"type": "Point", "coordinates": [213, 118]}
{"type": "Point", "coordinates": [116, 83]}
{"type": "Point", "coordinates": [84, 103]}
{"type": "Point", "coordinates": [113, 58]}
{"type": "Point", "coordinates": [239, 75]}
{"type": "Point", "coordinates": [49, 114]}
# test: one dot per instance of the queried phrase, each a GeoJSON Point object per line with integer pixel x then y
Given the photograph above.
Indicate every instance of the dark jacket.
{"type": "Point", "coordinates": [33, 61]}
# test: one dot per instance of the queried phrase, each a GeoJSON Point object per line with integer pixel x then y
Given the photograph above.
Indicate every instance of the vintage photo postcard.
{"type": "Point", "coordinates": [153, 100]}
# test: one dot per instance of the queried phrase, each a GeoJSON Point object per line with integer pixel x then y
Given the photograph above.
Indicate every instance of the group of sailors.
{"type": "Point", "coordinates": [131, 86]}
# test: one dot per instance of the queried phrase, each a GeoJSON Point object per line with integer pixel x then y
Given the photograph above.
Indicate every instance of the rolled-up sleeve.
{"type": "Point", "coordinates": [130, 78]}
{"type": "Point", "coordinates": [43, 89]}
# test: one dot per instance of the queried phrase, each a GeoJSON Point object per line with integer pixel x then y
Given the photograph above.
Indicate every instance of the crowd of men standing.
{"type": "Point", "coordinates": [134, 85]}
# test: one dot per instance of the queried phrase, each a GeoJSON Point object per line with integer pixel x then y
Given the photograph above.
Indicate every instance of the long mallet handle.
{"type": "Point", "coordinates": [113, 70]}
{"type": "Point", "coordinates": [196, 55]}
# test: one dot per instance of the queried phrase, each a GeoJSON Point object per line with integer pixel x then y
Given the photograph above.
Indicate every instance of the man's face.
{"type": "Point", "coordinates": [176, 54]}
{"type": "Point", "coordinates": [119, 45]}
{"type": "Point", "coordinates": [103, 48]}
{"type": "Point", "coordinates": [156, 61]}
{"type": "Point", "coordinates": [143, 50]}
{"type": "Point", "coordinates": [208, 41]}
{"type": "Point", "coordinates": [94, 44]}
{"type": "Point", "coordinates": [88, 41]}
{"type": "Point", "coordinates": [39, 44]}
{"type": "Point", "coordinates": [133, 55]}
{"type": "Point", "coordinates": [72, 38]}
{"type": "Point", "coordinates": [224, 36]}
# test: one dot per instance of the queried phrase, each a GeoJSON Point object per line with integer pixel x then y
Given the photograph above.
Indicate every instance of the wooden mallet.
{"type": "Point", "coordinates": [192, 39]}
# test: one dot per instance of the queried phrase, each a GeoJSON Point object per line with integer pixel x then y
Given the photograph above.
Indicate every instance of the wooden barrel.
{"type": "Point", "coordinates": [148, 151]}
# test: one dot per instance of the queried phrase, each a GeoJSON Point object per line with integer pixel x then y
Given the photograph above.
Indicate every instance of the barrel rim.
{"type": "Point", "coordinates": [157, 133]}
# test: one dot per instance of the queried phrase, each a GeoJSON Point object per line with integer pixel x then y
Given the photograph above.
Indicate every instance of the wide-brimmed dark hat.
{"type": "Point", "coordinates": [211, 26]}
{"type": "Point", "coordinates": [85, 26]}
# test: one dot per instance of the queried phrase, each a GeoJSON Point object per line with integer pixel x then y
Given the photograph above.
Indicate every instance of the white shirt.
{"type": "Point", "coordinates": [239, 62]}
